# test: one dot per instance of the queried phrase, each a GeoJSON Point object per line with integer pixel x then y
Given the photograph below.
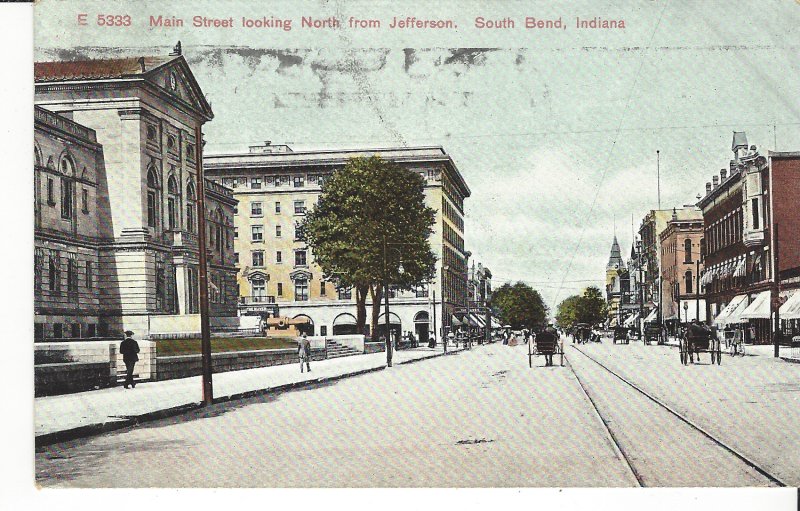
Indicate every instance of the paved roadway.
{"type": "Point", "coordinates": [480, 418]}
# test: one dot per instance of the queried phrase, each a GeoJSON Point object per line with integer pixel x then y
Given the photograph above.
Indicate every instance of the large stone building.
{"type": "Point", "coordinates": [118, 176]}
{"type": "Point", "coordinates": [681, 264]}
{"type": "Point", "coordinates": [276, 185]}
{"type": "Point", "coordinates": [742, 208]}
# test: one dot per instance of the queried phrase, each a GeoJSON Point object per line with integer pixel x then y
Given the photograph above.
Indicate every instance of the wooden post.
{"type": "Point", "coordinates": [205, 329]}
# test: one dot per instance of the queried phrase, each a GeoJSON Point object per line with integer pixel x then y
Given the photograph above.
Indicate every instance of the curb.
{"type": "Point", "coordinates": [107, 427]}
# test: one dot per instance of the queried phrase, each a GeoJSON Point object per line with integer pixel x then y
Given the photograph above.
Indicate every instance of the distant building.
{"type": "Point", "coordinates": [617, 285]}
{"type": "Point", "coordinates": [681, 263]}
{"type": "Point", "coordinates": [122, 135]}
{"type": "Point", "coordinates": [742, 207]}
{"type": "Point", "coordinates": [275, 186]}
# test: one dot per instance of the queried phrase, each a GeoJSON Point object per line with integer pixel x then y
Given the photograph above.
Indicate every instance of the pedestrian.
{"type": "Point", "coordinates": [130, 355]}
{"type": "Point", "coordinates": [304, 353]}
{"type": "Point", "coordinates": [546, 342]}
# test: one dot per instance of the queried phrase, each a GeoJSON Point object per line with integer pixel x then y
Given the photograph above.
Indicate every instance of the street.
{"type": "Point", "coordinates": [480, 418]}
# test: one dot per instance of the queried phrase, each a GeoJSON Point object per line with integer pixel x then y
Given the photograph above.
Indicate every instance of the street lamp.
{"type": "Point", "coordinates": [686, 312]}
{"type": "Point", "coordinates": [386, 247]}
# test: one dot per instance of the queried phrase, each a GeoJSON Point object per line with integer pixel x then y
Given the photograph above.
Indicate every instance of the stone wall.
{"type": "Point", "coordinates": [101, 351]}
{"type": "Point", "coordinates": [52, 379]}
{"type": "Point", "coordinates": [184, 366]}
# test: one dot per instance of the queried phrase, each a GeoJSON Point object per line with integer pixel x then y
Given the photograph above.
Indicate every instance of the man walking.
{"type": "Point", "coordinates": [304, 352]}
{"type": "Point", "coordinates": [129, 349]}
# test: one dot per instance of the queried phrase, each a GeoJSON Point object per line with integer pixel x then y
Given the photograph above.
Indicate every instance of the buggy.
{"type": "Point", "coordinates": [621, 335]}
{"type": "Point", "coordinates": [699, 337]}
{"type": "Point", "coordinates": [547, 344]}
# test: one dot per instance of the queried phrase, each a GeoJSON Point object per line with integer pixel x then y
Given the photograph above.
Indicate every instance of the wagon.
{"type": "Point", "coordinates": [698, 338]}
{"type": "Point", "coordinates": [621, 335]}
{"type": "Point", "coordinates": [652, 332]}
{"type": "Point", "coordinates": [547, 344]}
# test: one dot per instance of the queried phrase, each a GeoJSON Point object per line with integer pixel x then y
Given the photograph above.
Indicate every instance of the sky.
{"type": "Point", "coordinates": [554, 130]}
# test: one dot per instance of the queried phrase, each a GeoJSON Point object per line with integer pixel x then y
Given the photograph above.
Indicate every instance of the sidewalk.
{"type": "Point", "coordinates": [71, 416]}
{"type": "Point", "coordinates": [758, 350]}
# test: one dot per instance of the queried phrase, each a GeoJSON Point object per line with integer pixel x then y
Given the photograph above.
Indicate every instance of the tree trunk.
{"type": "Point", "coordinates": [361, 307]}
{"type": "Point", "coordinates": [376, 293]}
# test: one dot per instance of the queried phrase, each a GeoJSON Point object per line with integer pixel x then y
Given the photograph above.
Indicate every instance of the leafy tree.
{"type": "Point", "coordinates": [519, 305]}
{"type": "Point", "coordinates": [567, 311]}
{"type": "Point", "coordinates": [590, 307]}
{"type": "Point", "coordinates": [369, 211]}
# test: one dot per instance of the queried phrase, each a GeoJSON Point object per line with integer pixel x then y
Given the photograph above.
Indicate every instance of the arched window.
{"type": "Point", "coordinates": [191, 196]}
{"type": "Point", "coordinates": [173, 204]}
{"type": "Point", "coordinates": [67, 187]}
{"type": "Point", "coordinates": [688, 282]}
{"type": "Point", "coordinates": [152, 198]}
{"type": "Point", "coordinates": [687, 250]}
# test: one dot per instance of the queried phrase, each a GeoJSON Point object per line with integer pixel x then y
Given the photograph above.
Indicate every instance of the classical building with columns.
{"type": "Point", "coordinates": [118, 184]}
{"type": "Point", "coordinates": [275, 186]}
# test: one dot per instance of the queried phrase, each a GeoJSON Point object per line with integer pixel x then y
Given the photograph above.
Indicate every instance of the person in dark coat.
{"type": "Point", "coordinates": [304, 352]}
{"type": "Point", "coordinates": [546, 343]}
{"type": "Point", "coordinates": [130, 355]}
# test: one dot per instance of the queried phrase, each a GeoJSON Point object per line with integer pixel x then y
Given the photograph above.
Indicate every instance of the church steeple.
{"type": "Point", "coordinates": [615, 261]}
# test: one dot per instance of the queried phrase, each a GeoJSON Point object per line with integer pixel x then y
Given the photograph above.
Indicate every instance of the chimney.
{"type": "Point", "coordinates": [723, 173]}
{"type": "Point", "coordinates": [715, 180]}
{"type": "Point", "coordinates": [708, 188]}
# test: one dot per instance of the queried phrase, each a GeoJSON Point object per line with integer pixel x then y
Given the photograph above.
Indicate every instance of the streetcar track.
{"type": "Point", "coordinates": [677, 414]}
{"type": "Point", "coordinates": [619, 451]}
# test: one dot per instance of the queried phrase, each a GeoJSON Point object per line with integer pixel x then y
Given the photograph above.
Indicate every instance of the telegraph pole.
{"type": "Point", "coordinates": [205, 328]}
{"type": "Point", "coordinates": [776, 301]}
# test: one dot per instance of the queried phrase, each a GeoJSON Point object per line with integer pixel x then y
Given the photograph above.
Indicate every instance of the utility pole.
{"type": "Point", "coordinates": [776, 269]}
{"type": "Point", "coordinates": [697, 289]}
{"type": "Point", "coordinates": [386, 307]}
{"type": "Point", "coordinates": [205, 329]}
{"type": "Point", "coordinates": [466, 268]}
{"type": "Point", "coordinates": [434, 319]}
{"type": "Point", "coordinates": [658, 176]}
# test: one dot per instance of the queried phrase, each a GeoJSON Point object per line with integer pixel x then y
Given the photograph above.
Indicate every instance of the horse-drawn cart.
{"type": "Point", "coordinates": [547, 344]}
{"type": "Point", "coordinates": [698, 338]}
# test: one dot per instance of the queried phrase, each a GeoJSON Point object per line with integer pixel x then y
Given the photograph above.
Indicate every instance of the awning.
{"type": "Point", "coordinates": [741, 269]}
{"type": "Point", "coordinates": [653, 316]}
{"type": "Point", "coordinates": [481, 320]}
{"type": "Point", "coordinates": [791, 309]}
{"type": "Point", "coordinates": [760, 308]}
{"type": "Point", "coordinates": [631, 320]}
{"type": "Point", "coordinates": [496, 324]}
{"type": "Point", "coordinates": [613, 322]}
{"type": "Point", "coordinates": [455, 322]}
{"type": "Point", "coordinates": [730, 314]}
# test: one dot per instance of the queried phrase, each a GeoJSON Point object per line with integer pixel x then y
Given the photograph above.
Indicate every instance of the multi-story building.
{"type": "Point", "coordinates": [480, 292]}
{"type": "Point", "coordinates": [68, 227]}
{"type": "Point", "coordinates": [742, 208]}
{"type": "Point", "coordinates": [681, 263]}
{"type": "Point", "coordinates": [653, 224]}
{"type": "Point", "coordinates": [275, 186]}
{"type": "Point", "coordinates": [141, 190]}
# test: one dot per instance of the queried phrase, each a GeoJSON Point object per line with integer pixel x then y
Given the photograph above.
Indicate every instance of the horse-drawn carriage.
{"type": "Point", "coordinates": [621, 335]}
{"type": "Point", "coordinates": [582, 333]}
{"type": "Point", "coordinates": [546, 343]}
{"type": "Point", "coordinates": [653, 332]}
{"type": "Point", "coordinates": [697, 338]}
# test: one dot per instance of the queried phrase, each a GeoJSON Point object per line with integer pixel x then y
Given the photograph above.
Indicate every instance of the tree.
{"type": "Point", "coordinates": [590, 307]}
{"type": "Point", "coordinates": [370, 213]}
{"type": "Point", "coordinates": [519, 305]}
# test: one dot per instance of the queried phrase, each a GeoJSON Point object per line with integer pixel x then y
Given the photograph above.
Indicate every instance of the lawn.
{"type": "Point", "coordinates": [172, 347]}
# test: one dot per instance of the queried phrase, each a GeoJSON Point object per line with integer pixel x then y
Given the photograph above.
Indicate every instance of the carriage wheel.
{"type": "Point", "coordinates": [682, 349]}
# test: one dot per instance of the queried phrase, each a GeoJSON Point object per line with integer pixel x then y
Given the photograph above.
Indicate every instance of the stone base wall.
{"type": "Point", "coordinates": [53, 379]}
{"type": "Point", "coordinates": [185, 366]}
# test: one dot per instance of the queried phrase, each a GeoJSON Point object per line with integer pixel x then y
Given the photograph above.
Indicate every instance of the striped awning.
{"type": "Point", "coordinates": [791, 308]}
{"type": "Point", "coordinates": [653, 316]}
{"type": "Point", "coordinates": [731, 313]}
{"type": "Point", "coordinates": [741, 268]}
{"type": "Point", "coordinates": [759, 308]}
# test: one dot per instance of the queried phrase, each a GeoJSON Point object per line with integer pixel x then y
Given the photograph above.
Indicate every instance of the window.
{"type": "Point", "coordinates": [190, 151]}
{"type": "Point", "coordinates": [300, 258]}
{"type": "Point", "coordinates": [72, 276]}
{"type": "Point", "coordinates": [255, 183]}
{"type": "Point", "coordinates": [255, 209]}
{"type": "Point", "coordinates": [299, 181]}
{"type": "Point", "coordinates": [277, 208]}
{"type": "Point", "coordinates": [421, 291]}
{"type": "Point", "coordinates": [89, 272]}
{"type": "Point", "coordinates": [172, 203]}
{"type": "Point", "coordinates": [66, 197]}
{"type": "Point", "coordinates": [258, 232]}
{"type": "Point", "coordinates": [151, 132]}
{"type": "Point", "coordinates": [242, 181]}
{"type": "Point", "coordinates": [322, 288]}
{"type": "Point", "coordinates": [280, 289]}
{"type": "Point", "coordinates": [301, 290]}
{"type": "Point", "coordinates": [91, 330]}
{"type": "Point", "coordinates": [53, 271]}
{"type": "Point", "coordinates": [259, 288]}
{"type": "Point", "coordinates": [258, 258]}
{"type": "Point", "coordinates": [170, 142]}
{"type": "Point", "coordinates": [194, 288]}
{"type": "Point", "coordinates": [236, 257]}
{"type": "Point", "coordinates": [173, 213]}
{"type": "Point", "coordinates": [190, 206]}
{"type": "Point", "coordinates": [152, 202]}
{"type": "Point", "coordinates": [58, 330]}
{"type": "Point", "coordinates": [323, 330]}
{"type": "Point", "coordinates": [160, 287]}
{"type": "Point", "coordinates": [688, 282]}
{"type": "Point", "coordinates": [277, 231]}
{"type": "Point", "coordinates": [230, 182]}
{"type": "Point", "coordinates": [756, 223]}
{"type": "Point", "coordinates": [299, 207]}
{"type": "Point", "coordinates": [51, 196]}
{"type": "Point", "coordinates": [299, 232]}
{"type": "Point", "coordinates": [687, 251]}
{"type": "Point", "coordinates": [236, 233]}
{"type": "Point", "coordinates": [278, 256]}
{"type": "Point", "coordinates": [345, 293]}
{"type": "Point", "coordinates": [85, 200]}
